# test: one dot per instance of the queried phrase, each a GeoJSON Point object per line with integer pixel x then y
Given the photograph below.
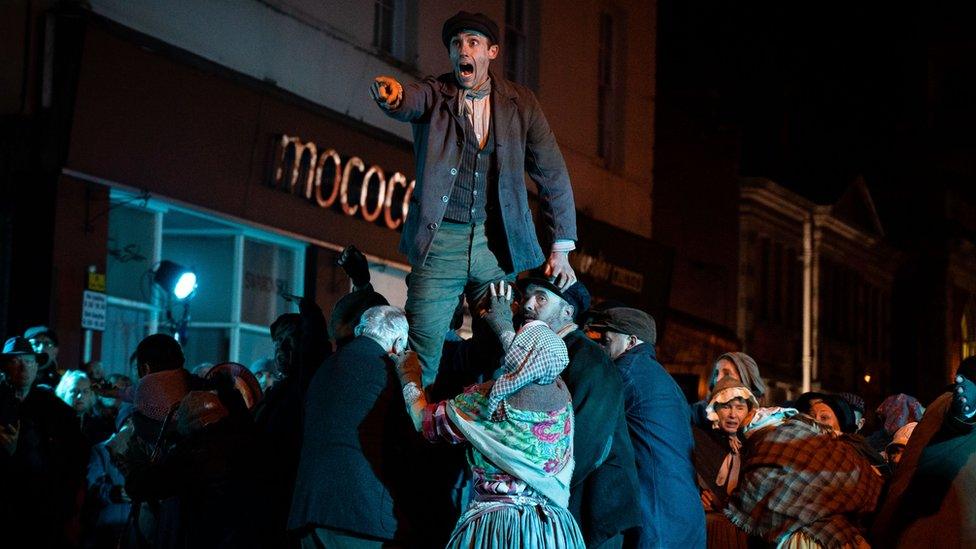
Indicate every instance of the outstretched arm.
{"type": "Point", "coordinates": [545, 165]}
{"type": "Point", "coordinates": [404, 103]}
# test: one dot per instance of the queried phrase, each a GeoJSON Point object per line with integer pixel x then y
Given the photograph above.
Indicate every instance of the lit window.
{"type": "Point", "coordinates": [242, 272]}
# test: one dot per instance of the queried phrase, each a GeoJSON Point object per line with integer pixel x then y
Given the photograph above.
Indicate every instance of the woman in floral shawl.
{"type": "Point", "coordinates": [520, 428]}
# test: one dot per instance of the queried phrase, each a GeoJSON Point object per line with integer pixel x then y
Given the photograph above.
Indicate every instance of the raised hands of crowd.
{"type": "Point", "coordinates": [496, 311]}
{"type": "Point", "coordinates": [354, 263]}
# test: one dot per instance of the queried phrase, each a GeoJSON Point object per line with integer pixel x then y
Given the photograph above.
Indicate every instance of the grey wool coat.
{"type": "Point", "coordinates": [524, 143]}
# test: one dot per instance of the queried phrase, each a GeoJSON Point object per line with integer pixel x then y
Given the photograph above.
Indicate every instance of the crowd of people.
{"type": "Point", "coordinates": [552, 426]}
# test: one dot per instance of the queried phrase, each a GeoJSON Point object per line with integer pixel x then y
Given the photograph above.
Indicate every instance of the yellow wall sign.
{"type": "Point", "coordinates": [96, 282]}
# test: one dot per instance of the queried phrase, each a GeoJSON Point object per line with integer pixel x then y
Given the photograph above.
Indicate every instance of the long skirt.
{"type": "Point", "coordinates": [526, 525]}
{"type": "Point", "coordinates": [722, 534]}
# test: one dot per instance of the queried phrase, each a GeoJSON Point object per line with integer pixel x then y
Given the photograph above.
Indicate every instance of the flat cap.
{"type": "Point", "coordinates": [467, 21]}
{"type": "Point", "coordinates": [628, 321]}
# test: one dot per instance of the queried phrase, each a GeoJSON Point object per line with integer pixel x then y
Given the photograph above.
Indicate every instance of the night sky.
{"type": "Point", "coordinates": [815, 94]}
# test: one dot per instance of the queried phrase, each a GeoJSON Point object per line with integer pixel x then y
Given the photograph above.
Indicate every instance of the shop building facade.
{"type": "Point", "coordinates": [164, 145]}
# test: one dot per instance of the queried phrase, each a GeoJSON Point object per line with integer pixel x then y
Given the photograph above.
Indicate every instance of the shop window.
{"type": "Point", "coordinates": [269, 273]}
{"type": "Point", "coordinates": [241, 272]}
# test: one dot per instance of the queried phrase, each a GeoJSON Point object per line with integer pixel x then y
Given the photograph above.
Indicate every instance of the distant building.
{"type": "Point", "coordinates": [852, 270]}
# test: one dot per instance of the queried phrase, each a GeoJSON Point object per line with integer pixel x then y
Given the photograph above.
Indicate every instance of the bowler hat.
{"type": "Point", "coordinates": [464, 20]}
{"type": "Point", "coordinates": [628, 321]}
{"type": "Point", "coordinates": [576, 294]}
{"type": "Point", "coordinates": [19, 346]}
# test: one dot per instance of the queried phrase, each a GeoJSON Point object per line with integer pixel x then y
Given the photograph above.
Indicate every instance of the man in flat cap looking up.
{"type": "Point", "coordinates": [657, 417]}
{"type": "Point", "coordinates": [475, 136]}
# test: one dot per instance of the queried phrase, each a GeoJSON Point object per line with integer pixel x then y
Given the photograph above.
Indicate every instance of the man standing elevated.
{"type": "Point", "coordinates": [475, 136]}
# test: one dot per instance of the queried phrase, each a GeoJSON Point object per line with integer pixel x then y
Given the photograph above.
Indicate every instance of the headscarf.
{"type": "Point", "coordinates": [158, 394]}
{"type": "Point", "coordinates": [725, 390]}
{"type": "Point", "coordinates": [748, 373]}
{"type": "Point", "coordinates": [536, 355]}
{"type": "Point", "coordinates": [898, 410]}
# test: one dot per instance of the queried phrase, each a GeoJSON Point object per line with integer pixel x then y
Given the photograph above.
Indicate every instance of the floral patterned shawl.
{"type": "Point", "coordinates": [532, 446]}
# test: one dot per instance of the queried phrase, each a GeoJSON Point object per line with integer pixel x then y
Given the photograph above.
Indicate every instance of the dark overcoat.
{"type": "Point", "coordinates": [524, 143]}
{"type": "Point", "coordinates": [603, 494]}
{"type": "Point", "coordinates": [657, 416]}
{"type": "Point", "coordinates": [352, 445]}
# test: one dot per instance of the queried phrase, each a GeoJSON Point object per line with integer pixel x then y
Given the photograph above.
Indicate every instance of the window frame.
{"type": "Point", "coordinates": [240, 233]}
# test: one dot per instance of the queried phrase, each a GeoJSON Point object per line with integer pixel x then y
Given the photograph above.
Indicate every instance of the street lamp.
{"type": "Point", "coordinates": [179, 284]}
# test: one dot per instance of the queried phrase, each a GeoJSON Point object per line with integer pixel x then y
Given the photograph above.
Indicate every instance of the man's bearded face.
{"type": "Point", "coordinates": [470, 56]}
{"type": "Point", "coordinates": [545, 306]}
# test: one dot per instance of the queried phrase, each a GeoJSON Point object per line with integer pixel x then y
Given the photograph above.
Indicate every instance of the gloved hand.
{"type": "Point", "coordinates": [496, 308]}
{"type": "Point", "coordinates": [355, 264]}
{"type": "Point", "coordinates": [964, 398]}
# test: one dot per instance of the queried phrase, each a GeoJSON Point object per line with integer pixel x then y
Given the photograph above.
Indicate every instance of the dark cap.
{"type": "Point", "coordinates": [350, 308]}
{"type": "Point", "coordinates": [467, 21]}
{"type": "Point", "coordinates": [576, 295]}
{"type": "Point", "coordinates": [855, 401]}
{"type": "Point", "coordinates": [160, 352]}
{"type": "Point", "coordinates": [286, 324]}
{"type": "Point", "coordinates": [19, 346]}
{"type": "Point", "coordinates": [628, 321]}
{"type": "Point", "coordinates": [35, 331]}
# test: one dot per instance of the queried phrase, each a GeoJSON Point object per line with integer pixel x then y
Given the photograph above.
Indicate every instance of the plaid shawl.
{"type": "Point", "coordinates": [799, 476]}
{"type": "Point", "coordinates": [536, 355]}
